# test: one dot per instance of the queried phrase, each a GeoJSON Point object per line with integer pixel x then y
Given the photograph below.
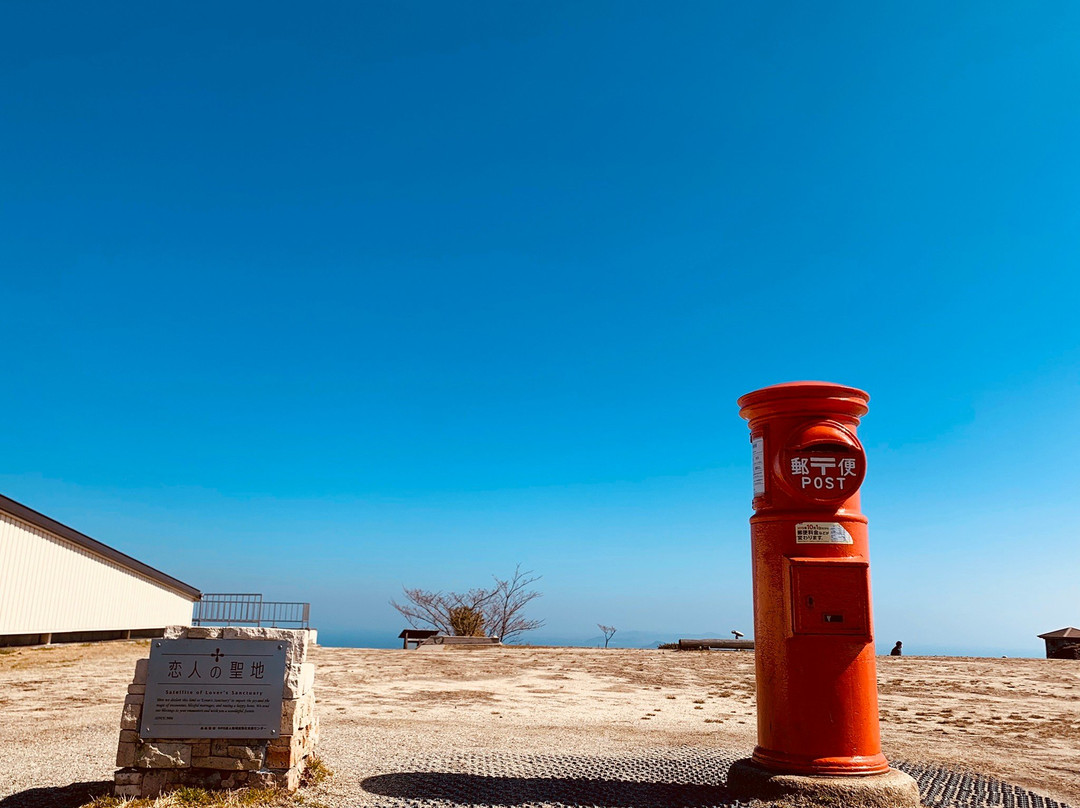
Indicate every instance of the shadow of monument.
{"type": "Point", "coordinates": [71, 796]}
{"type": "Point", "coordinates": [472, 789]}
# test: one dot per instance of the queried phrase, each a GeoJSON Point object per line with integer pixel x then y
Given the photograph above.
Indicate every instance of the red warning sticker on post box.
{"type": "Point", "coordinates": [822, 533]}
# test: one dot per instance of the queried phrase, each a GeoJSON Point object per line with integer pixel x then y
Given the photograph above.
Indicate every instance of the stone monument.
{"type": "Point", "coordinates": [246, 717]}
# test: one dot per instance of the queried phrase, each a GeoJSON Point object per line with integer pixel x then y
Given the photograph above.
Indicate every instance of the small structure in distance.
{"type": "Point", "coordinates": [416, 636]}
{"type": "Point", "coordinates": [1063, 643]}
{"type": "Point", "coordinates": [423, 637]}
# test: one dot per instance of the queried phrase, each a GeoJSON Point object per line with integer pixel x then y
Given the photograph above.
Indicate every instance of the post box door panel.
{"type": "Point", "coordinates": [830, 596]}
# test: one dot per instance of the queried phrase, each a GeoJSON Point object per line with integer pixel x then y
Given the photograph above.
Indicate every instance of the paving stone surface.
{"type": "Point", "coordinates": [683, 778]}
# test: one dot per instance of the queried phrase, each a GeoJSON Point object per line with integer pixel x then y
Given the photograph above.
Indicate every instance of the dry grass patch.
{"type": "Point", "coordinates": [187, 797]}
{"type": "Point", "coordinates": [192, 797]}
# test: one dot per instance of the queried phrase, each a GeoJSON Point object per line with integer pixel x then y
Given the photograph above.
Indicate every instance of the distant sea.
{"type": "Point", "coordinates": [642, 639]}
{"type": "Point", "coordinates": [378, 639]}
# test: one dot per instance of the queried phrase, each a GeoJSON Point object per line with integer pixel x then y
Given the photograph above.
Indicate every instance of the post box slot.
{"type": "Point", "coordinates": [827, 435]}
{"type": "Point", "coordinates": [838, 448]}
{"type": "Point", "coordinates": [829, 596]}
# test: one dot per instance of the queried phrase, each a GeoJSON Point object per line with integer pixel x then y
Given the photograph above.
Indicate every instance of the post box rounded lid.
{"type": "Point", "coordinates": [823, 432]}
{"type": "Point", "coordinates": [804, 396]}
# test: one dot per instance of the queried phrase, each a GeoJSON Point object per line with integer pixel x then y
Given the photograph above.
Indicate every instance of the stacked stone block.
{"type": "Point", "coordinates": [152, 766]}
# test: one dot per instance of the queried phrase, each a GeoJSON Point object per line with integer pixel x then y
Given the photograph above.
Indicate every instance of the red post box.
{"type": "Point", "coordinates": [817, 710]}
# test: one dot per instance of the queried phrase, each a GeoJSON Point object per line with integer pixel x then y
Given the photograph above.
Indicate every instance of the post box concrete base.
{"type": "Point", "coordinates": [891, 790]}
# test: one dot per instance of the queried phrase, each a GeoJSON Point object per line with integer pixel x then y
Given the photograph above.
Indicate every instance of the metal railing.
{"type": "Point", "coordinates": [249, 609]}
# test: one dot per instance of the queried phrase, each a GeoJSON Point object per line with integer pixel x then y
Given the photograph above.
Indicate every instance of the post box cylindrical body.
{"type": "Point", "coordinates": [817, 705]}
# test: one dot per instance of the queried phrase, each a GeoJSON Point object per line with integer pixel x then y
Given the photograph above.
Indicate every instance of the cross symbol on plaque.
{"type": "Point", "coordinates": [217, 655]}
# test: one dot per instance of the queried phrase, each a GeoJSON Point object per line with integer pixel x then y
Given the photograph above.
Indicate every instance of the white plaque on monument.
{"type": "Point", "coordinates": [214, 689]}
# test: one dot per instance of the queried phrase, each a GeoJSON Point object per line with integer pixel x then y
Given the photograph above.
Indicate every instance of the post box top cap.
{"type": "Point", "coordinates": [796, 396]}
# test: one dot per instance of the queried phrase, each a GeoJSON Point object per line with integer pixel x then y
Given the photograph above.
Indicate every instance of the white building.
{"type": "Point", "coordinates": [57, 585]}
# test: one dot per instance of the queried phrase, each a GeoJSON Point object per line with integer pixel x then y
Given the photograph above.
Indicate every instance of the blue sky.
{"type": "Point", "coordinates": [320, 302]}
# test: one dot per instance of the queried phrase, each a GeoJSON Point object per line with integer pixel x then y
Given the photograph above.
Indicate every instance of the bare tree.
{"type": "Point", "coordinates": [446, 612]}
{"type": "Point", "coordinates": [609, 632]}
{"type": "Point", "coordinates": [497, 612]}
{"type": "Point", "coordinates": [504, 613]}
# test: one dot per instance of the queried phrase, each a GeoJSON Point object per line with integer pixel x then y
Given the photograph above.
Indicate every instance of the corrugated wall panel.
{"type": "Point", "coordinates": [48, 584]}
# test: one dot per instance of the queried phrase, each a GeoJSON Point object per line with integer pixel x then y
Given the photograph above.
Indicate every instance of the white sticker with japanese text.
{"type": "Point", "coordinates": [758, 445]}
{"type": "Point", "coordinates": [821, 533]}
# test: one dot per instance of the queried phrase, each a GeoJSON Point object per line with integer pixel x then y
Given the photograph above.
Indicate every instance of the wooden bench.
{"type": "Point", "coordinates": [415, 636]}
{"type": "Point", "coordinates": [462, 642]}
{"type": "Point", "coordinates": [716, 645]}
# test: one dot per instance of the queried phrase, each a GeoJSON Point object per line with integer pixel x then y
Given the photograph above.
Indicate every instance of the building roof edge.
{"type": "Point", "coordinates": [1069, 632]}
{"type": "Point", "coordinates": [40, 520]}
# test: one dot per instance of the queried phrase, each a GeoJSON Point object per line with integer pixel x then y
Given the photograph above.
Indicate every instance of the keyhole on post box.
{"type": "Point", "coordinates": [810, 602]}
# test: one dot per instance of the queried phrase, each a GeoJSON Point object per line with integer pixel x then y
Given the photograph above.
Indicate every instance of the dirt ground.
{"type": "Point", "coordinates": [1015, 719]}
